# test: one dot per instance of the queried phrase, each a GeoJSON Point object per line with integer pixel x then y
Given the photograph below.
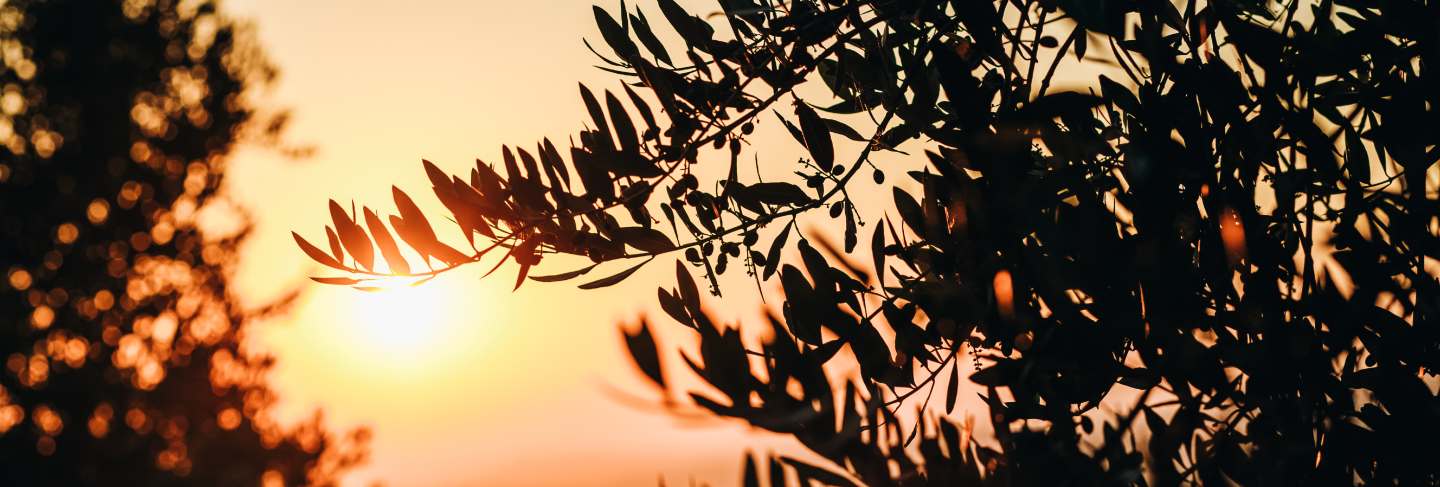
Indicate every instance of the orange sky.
{"type": "Point", "coordinates": [484, 386]}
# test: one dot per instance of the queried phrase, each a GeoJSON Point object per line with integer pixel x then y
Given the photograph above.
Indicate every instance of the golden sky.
{"type": "Point", "coordinates": [463, 382]}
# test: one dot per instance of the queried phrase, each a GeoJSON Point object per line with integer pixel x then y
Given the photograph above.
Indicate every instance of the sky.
{"type": "Point", "coordinates": [462, 381]}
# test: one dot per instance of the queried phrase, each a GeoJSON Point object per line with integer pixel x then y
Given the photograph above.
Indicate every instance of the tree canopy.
{"type": "Point", "coordinates": [123, 363]}
{"type": "Point", "coordinates": [1211, 259]}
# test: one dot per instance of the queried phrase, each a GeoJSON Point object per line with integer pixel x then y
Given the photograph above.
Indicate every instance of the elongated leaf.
{"type": "Point", "coordinates": [817, 136]}
{"type": "Point", "coordinates": [851, 237]}
{"type": "Point", "coordinates": [877, 254]}
{"type": "Point", "coordinates": [910, 211]}
{"type": "Point", "coordinates": [844, 130]}
{"type": "Point", "coordinates": [953, 388]}
{"type": "Point", "coordinates": [615, 35]}
{"type": "Point", "coordinates": [643, 108]}
{"type": "Point", "coordinates": [415, 230]}
{"type": "Point", "coordinates": [697, 33]}
{"type": "Point", "coordinates": [642, 349]}
{"type": "Point", "coordinates": [335, 248]}
{"type": "Point", "coordinates": [353, 237]}
{"type": "Point", "coordinates": [776, 193]}
{"type": "Point", "coordinates": [645, 239]}
{"type": "Point", "coordinates": [597, 115]}
{"type": "Point", "coordinates": [388, 249]}
{"type": "Point", "coordinates": [614, 279]}
{"type": "Point", "coordinates": [416, 227]}
{"type": "Point", "coordinates": [673, 307]}
{"type": "Point", "coordinates": [338, 281]}
{"type": "Point", "coordinates": [825, 477]}
{"type": "Point", "coordinates": [772, 257]}
{"type": "Point", "coordinates": [688, 292]}
{"type": "Point", "coordinates": [624, 128]}
{"type": "Point", "coordinates": [647, 37]}
{"type": "Point", "coordinates": [316, 254]}
{"type": "Point", "coordinates": [564, 276]}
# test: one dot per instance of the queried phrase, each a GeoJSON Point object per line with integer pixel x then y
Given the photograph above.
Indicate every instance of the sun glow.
{"type": "Point", "coordinates": [405, 324]}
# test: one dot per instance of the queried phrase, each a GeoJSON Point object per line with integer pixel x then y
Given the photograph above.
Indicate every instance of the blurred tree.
{"type": "Point", "coordinates": [122, 346]}
{"type": "Point", "coordinates": [1223, 232]}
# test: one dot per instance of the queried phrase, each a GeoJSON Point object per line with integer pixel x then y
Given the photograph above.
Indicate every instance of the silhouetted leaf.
{"type": "Point", "coordinates": [647, 37]}
{"type": "Point", "coordinates": [353, 237]}
{"type": "Point", "coordinates": [839, 127]}
{"type": "Point", "coordinates": [614, 279]}
{"type": "Point", "coordinates": [564, 276]}
{"type": "Point", "coordinates": [952, 388]}
{"type": "Point", "coordinates": [910, 211]}
{"type": "Point", "coordinates": [614, 34]}
{"type": "Point", "coordinates": [338, 281]}
{"type": "Point", "coordinates": [624, 128]}
{"type": "Point", "coordinates": [316, 254]}
{"type": "Point", "coordinates": [778, 194]}
{"type": "Point", "coordinates": [688, 292]}
{"type": "Point", "coordinates": [772, 257]}
{"type": "Point", "coordinates": [642, 349]}
{"type": "Point", "coordinates": [817, 136]}
{"type": "Point", "coordinates": [392, 254]}
{"type": "Point", "coordinates": [647, 240]}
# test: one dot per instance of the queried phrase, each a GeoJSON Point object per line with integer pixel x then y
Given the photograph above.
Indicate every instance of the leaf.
{"type": "Point", "coordinates": [643, 351]}
{"type": "Point", "coordinates": [643, 108]}
{"type": "Point", "coordinates": [520, 276]}
{"type": "Point", "coordinates": [752, 476]}
{"type": "Point", "coordinates": [416, 226]}
{"type": "Point", "coordinates": [688, 292]}
{"type": "Point", "coordinates": [392, 254]}
{"type": "Point", "coordinates": [316, 254]}
{"type": "Point", "coordinates": [647, 240]}
{"type": "Point", "coordinates": [772, 257]}
{"type": "Point", "coordinates": [338, 281]}
{"type": "Point", "coordinates": [673, 307]}
{"type": "Point", "coordinates": [597, 115]}
{"type": "Point", "coordinates": [817, 136]}
{"type": "Point", "coordinates": [877, 254]}
{"type": "Point", "coordinates": [564, 276]}
{"type": "Point", "coordinates": [1119, 95]}
{"type": "Point", "coordinates": [954, 387]}
{"type": "Point", "coordinates": [839, 127]}
{"type": "Point", "coordinates": [352, 236]}
{"type": "Point", "coordinates": [826, 477]}
{"type": "Point", "coordinates": [776, 193]}
{"type": "Point", "coordinates": [615, 35]}
{"type": "Point", "coordinates": [415, 230]}
{"type": "Point", "coordinates": [697, 33]}
{"type": "Point", "coordinates": [850, 231]}
{"type": "Point", "coordinates": [624, 128]}
{"type": "Point", "coordinates": [910, 211]}
{"type": "Point", "coordinates": [647, 37]}
{"type": "Point", "coordinates": [335, 248]}
{"type": "Point", "coordinates": [615, 279]}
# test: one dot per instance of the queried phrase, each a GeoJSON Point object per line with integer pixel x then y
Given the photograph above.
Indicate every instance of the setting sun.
{"type": "Point", "coordinates": [404, 322]}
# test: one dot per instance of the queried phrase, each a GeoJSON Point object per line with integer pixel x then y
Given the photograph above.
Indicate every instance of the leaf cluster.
{"type": "Point", "coordinates": [1210, 263]}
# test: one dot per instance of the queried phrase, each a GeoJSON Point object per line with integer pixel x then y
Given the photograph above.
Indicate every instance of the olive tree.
{"type": "Point", "coordinates": [1210, 260]}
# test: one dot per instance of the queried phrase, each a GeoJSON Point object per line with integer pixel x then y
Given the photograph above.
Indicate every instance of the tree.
{"type": "Point", "coordinates": [1223, 234]}
{"type": "Point", "coordinates": [123, 363]}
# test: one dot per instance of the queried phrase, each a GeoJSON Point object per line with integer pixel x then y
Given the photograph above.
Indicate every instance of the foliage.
{"type": "Point", "coordinates": [1227, 240]}
{"type": "Point", "coordinates": [123, 363]}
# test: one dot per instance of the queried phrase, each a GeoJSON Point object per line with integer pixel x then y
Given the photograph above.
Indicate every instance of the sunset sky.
{"type": "Point", "coordinates": [463, 382]}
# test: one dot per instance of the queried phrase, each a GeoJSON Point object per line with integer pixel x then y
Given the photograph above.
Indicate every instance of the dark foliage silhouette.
{"type": "Point", "coordinates": [1224, 234]}
{"type": "Point", "coordinates": [122, 350]}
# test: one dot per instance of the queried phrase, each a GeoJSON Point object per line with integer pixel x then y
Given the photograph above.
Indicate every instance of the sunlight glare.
{"type": "Point", "coordinates": [403, 323]}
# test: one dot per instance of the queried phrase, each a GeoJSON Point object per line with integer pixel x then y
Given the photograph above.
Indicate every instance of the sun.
{"type": "Point", "coordinates": [403, 323]}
